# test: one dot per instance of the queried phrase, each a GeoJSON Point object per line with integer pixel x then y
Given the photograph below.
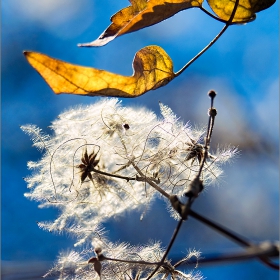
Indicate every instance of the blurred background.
{"type": "Point", "coordinates": [242, 67]}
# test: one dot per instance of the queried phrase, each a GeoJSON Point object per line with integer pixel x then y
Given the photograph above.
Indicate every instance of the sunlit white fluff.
{"type": "Point", "coordinates": [122, 138]}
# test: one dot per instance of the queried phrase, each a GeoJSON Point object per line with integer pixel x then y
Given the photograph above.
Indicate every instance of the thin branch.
{"type": "Point", "coordinates": [231, 235]}
{"type": "Point", "coordinates": [175, 233]}
{"type": "Point", "coordinates": [196, 186]}
{"type": "Point", "coordinates": [129, 261]}
{"type": "Point", "coordinates": [114, 175]}
{"type": "Point", "coordinates": [264, 250]}
{"type": "Point", "coordinates": [211, 15]}
{"type": "Point", "coordinates": [228, 23]}
{"type": "Point", "coordinates": [206, 145]}
{"type": "Point", "coordinates": [212, 114]}
{"type": "Point", "coordinates": [148, 180]}
{"type": "Point", "coordinates": [140, 179]}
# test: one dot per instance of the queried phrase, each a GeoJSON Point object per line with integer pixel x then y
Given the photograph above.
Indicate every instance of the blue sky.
{"type": "Point", "coordinates": [242, 67]}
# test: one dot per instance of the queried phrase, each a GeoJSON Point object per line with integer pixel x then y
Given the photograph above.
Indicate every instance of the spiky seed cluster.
{"type": "Point", "coordinates": [101, 158]}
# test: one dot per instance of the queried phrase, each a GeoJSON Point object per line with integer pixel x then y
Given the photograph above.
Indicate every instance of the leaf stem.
{"type": "Point", "coordinates": [228, 23]}
{"type": "Point", "coordinates": [224, 21]}
{"type": "Point", "coordinates": [211, 15]}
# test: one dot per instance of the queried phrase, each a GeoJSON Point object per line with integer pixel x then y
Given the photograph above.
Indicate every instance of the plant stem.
{"type": "Point", "coordinates": [130, 261]}
{"type": "Point", "coordinates": [231, 235]}
{"type": "Point", "coordinates": [113, 175]}
{"type": "Point", "coordinates": [175, 233]}
{"type": "Point", "coordinates": [211, 15]}
{"type": "Point", "coordinates": [210, 127]}
{"type": "Point", "coordinates": [148, 180]}
{"type": "Point", "coordinates": [228, 23]}
{"type": "Point", "coordinates": [141, 179]}
{"type": "Point", "coordinates": [264, 250]}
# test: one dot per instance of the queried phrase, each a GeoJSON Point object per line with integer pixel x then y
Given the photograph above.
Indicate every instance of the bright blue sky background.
{"type": "Point", "coordinates": [242, 67]}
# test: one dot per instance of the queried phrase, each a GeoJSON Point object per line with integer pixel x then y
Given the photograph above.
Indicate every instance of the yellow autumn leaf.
{"type": "Point", "coordinates": [245, 11]}
{"type": "Point", "coordinates": [152, 66]}
{"type": "Point", "coordinates": [141, 14]}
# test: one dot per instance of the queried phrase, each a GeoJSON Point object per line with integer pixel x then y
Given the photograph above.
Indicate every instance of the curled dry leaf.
{"type": "Point", "coordinates": [141, 14]}
{"type": "Point", "coordinates": [245, 11]}
{"type": "Point", "coordinates": [152, 66]}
